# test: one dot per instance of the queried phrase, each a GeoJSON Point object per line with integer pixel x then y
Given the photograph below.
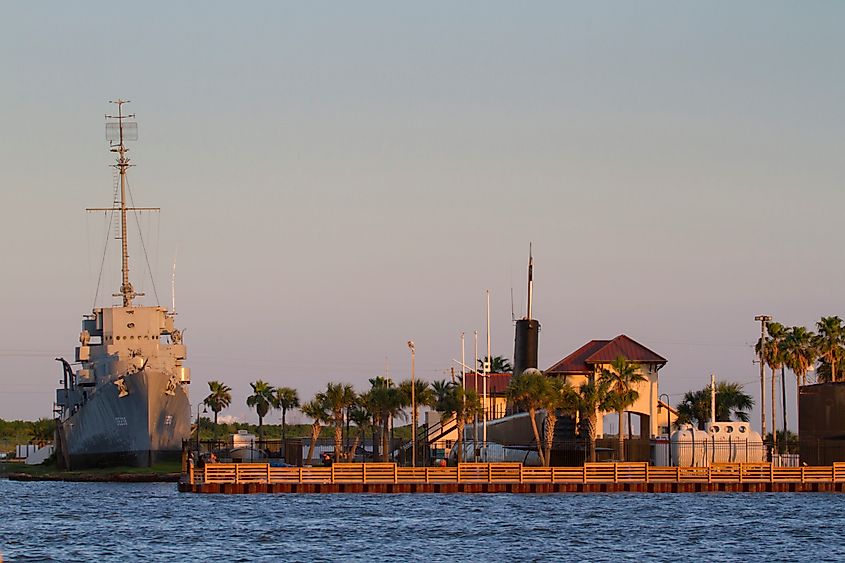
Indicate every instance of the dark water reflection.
{"type": "Point", "coordinates": [153, 522]}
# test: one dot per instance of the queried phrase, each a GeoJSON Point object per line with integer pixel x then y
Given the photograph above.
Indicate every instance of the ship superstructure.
{"type": "Point", "coordinates": [127, 401]}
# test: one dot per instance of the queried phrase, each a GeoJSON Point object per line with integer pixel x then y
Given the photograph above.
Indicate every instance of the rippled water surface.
{"type": "Point", "coordinates": [154, 522]}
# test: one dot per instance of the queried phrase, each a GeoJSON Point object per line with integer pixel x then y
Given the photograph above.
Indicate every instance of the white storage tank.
{"type": "Point", "coordinates": [735, 442]}
{"type": "Point", "coordinates": [689, 446]}
{"type": "Point", "coordinates": [243, 439]}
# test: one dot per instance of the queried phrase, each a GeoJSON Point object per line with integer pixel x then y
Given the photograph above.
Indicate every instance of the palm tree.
{"type": "Point", "coordinates": [464, 405]}
{"type": "Point", "coordinates": [823, 370]}
{"type": "Point", "coordinates": [337, 397]}
{"type": "Point", "coordinates": [385, 403]}
{"type": "Point", "coordinates": [799, 353]}
{"type": "Point", "coordinates": [529, 391]}
{"type": "Point", "coordinates": [620, 380]}
{"type": "Point", "coordinates": [590, 398]}
{"type": "Point", "coordinates": [731, 403]}
{"type": "Point", "coordinates": [557, 395]}
{"type": "Point", "coordinates": [829, 341]}
{"type": "Point", "coordinates": [441, 390]}
{"type": "Point", "coordinates": [287, 398]}
{"type": "Point", "coordinates": [362, 418]}
{"type": "Point", "coordinates": [774, 359]}
{"type": "Point", "coordinates": [498, 364]}
{"type": "Point", "coordinates": [219, 398]}
{"type": "Point", "coordinates": [263, 398]}
{"type": "Point", "coordinates": [316, 410]}
{"type": "Point", "coordinates": [366, 402]}
{"type": "Point", "coordinates": [423, 396]}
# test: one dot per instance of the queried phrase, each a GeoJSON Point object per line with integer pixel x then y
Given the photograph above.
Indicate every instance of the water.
{"type": "Point", "coordinates": [153, 522]}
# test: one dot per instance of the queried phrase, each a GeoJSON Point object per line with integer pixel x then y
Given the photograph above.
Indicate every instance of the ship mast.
{"type": "Point", "coordinates": [117, 136]}
{"type": "Point", "coordinates": [126, 289]}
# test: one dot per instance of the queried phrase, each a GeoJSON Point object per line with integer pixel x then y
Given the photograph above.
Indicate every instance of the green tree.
{"type": "Point", "coordinates": [362, 418]}
{"type": "Point", "coordinates": [528, 391]}
{"type": "Point", "coordinates": [823, 369]}
{"type": "Point", "coordinates": [499, 364]}
{"type": "Point", "coordinates": [441, 390]}
{"type": "Point", "coordinates": [338, 397]}
{"type": "Point", "coordinates": [42, 431]}
{"type": "Point", "coordinates": [557, 395]}
{"type": "Point", "coordinates": [384, 401]}
{"type": "Point", "coordinates": [774, 357]}
{"type": "Point", "coordinates": [731, 403]}
{"type": "Point", "coordinates": [219, 398]}
{"type": "Point", "coordinates": [316, 410]}
{"type": "Point", "coordinates": [829, 341]}
{"type": "Point", "coordinates": [263, 398]}
{"type": "Point", "coordinates": [288, 399]}
{"type": "Point", "coordinates": [621, 378]}
{"type": "Point", "coordinates": [799, 353]}
{"type": "Point", "coordinates": [464, 405]}
{"type": "Point", "coordinates": [423, 396]}
{"type": "Point", "coordinates": [589, 399]}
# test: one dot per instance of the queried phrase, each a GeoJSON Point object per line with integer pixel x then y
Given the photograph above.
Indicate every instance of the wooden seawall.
{"type": "Point", "coordinates": [250, 478]}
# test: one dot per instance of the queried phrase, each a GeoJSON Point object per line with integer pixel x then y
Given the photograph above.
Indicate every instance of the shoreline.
{"type": "Point", "coordinates": [162, 473]}
{"type": "Point", "coordinates": [95, 478]}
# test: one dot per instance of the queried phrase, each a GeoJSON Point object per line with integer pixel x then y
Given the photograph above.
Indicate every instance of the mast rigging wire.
{"type": "Point", "coordinates": [143, 246]}
{"type": "Point", "coordinates": [103, 261]}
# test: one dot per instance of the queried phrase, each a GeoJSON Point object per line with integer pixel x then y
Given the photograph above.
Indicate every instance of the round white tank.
{"type": "Point", "coordinates": [735, 442]}
{"type": "Point", "coordinates": [689, 446]}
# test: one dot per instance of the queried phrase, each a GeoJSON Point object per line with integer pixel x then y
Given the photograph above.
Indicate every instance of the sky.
{"type": "Point", "coordinates": [336, 179]}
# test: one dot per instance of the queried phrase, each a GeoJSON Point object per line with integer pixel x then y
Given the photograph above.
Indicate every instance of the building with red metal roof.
{"type": "Point", "coordinates": [588, 361]}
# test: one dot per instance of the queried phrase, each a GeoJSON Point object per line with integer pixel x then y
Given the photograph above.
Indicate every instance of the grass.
{"type": "Point", "coordinates": [46, 470]}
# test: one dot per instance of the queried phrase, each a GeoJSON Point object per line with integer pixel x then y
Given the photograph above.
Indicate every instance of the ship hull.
{"type": "Point", "coordinates": [140, 429]}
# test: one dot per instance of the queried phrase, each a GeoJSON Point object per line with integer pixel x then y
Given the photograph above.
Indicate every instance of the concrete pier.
{"type": "Point", "coordinates": [637, 477]}
{"type": "Point", "coordinates": [510, 488]}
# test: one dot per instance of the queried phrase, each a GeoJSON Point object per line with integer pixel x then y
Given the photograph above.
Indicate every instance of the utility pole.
{"type": "Point", "coordinates": [487, 365]}
{"type": "Point", "coordinates": [783, 400]}
{"type": "Point", "coordinates": [475, 424]}
{"type": "Point", "coordinates": [712, 400]}
{"type": "Point", "coordinates": [763, 319]}
{"type": "Point", "coordinates": [413, 408]}
{"type": "Point", "coordinates": [463, 364]}
{"type": "Point", "coordinates": [774, 412]}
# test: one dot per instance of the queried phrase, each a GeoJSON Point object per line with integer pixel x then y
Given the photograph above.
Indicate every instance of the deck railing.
{"type": "Point", "coordinates": [469, 473]}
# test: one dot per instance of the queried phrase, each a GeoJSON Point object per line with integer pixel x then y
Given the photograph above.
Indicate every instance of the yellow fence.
{"type": "Point", "coordinates": [469, 473]}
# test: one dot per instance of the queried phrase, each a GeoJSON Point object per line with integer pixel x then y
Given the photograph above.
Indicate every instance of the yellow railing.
{"type": "Point", "coordinates": [504, 473]}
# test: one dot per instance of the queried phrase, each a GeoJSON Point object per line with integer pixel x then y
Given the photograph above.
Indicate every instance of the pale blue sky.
{"type": "Point", "coordinates": [341, 178]}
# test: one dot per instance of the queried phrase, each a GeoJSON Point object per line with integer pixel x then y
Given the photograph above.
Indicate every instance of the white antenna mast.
{"type": "Point", "coordinates": [173, 284]}
{"type": "Point", "coordinates": [513, 313]}
{"type": "Point", "coordinates": [530, 280]}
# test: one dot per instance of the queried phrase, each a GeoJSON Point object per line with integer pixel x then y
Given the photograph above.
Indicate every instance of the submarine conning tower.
{"type": "Point", "coordinates": [527, 335]}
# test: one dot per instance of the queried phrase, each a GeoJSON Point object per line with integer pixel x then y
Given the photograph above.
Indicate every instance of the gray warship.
{"type": "Point", "coordinates": [124, 400]}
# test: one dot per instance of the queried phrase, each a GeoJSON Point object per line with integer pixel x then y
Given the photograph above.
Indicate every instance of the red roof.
{"type": "Point", "coordinates": [594, 352]}
{"type": "Point", "coordinates": [576, 362]}
{"type": "Point", "coordinates": [497, 383]}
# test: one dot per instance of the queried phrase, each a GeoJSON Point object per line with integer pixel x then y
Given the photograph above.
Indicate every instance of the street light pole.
{"type": "Point", "coordinates": [198, 426]}
{"type": "Point", "coordinates": [763, 319]}
{"type": "Point", "coordinates": [487, 365]}
{"type": "Point", "coordinates": [668, 423]}
{"type": "Point", "coordinates": [413, 407]}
